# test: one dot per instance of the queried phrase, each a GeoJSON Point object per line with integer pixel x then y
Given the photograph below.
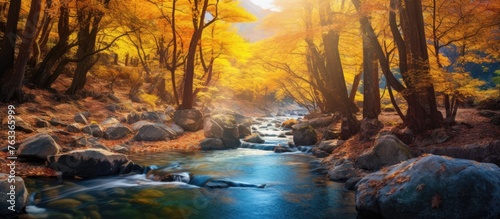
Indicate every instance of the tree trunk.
{"type": "Point", "coordinates": [371, 91]}
{"type": "Point", "coordinates": [13, 80]}
{"type": "Point", "coordinates": [8, 45]}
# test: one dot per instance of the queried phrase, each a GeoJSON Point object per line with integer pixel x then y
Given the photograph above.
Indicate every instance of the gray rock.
{"type": "Point", "coordinates": [319, 153]}
{"type": "Point", "coordinates": [110, 121]}
{"type": "Point", "coordinates": [56, 122]}
{"type": "Point", "coordinates": [23, 126]}
{"type": "Point", "coordinates": [120, 149]}
{"type": "Point", "coordinates": [88, 163]}
{"type": "Point", "coordinates": [212, 129]}
{"type": "Point", "coordinates": [94, 130]}
{"type": "Point", "coordinates": [85, 141]}
{"type": "Point", "coordinates": [177, 129]}
{"type": "Point", "coordinates": [231, 137]}
{"type": "Point", "coordinates": [38, 146]}
{"type": "Point", "coordinates": [18, 195]}
{"type": "Point", "coordinates": [388, 150]}
{"type": "Point", "coordinates": [212, 144]}
{"type": "Point", "coordinates": [81, 118]}
{"type": "Point", "coordinates": [98, 145]}
{"type": "Point", "coordinates": [157, 117]}
{"type": "Point", "coordinates": [133, 117]}
{"type": "Point", "coordinates": [41, 123]}
{"type": "Point", "coordinates": [137, 125]}
{"type": "Point", "coordinates": [321, 121]}
{"type": "Point", "coordinates": [168, 176]}
{"type": "Point", "coordinates": [342, 172]}
{"type": "Point", "coordinates": [432, 187]}
{"type": "Point", "coordinates": [244, 131]}
{"type": "Point", "coordinates": [189, 119]}
{"type": "Point", "coordinates": [305, 136]}
{"type": "Point", "coordinates": [439, 136]}
{"type": "Point", "coordinates": [111, 108]}
{"type": "Point", "coordinates": [75, 128]}
{"type": "Point", "coordinates": [330, 145]}
{"type": "Point", "coordinates": [116, 132]}
{"type": "Point", "coordinates": [153, 132]}
{"type": "Point", "coordinates": [254, 138]}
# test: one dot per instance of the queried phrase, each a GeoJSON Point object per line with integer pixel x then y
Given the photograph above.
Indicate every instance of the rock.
{"type": "Point", "coordinates": [369, 128]}
{"type": "Point", "coordinates": [342, 171]}
{"type": "Point", "coordinates": [120, 149]}
{"type": "Point", "coordinates": [177, 129]}
{"type": "Point", "coordinates": [23, 126]}
{"type": "Point", "coordinates": [254, 138]}
{"type": "Point", "coordinates": [136, 126]}
{"type": "Point", "coordinates": [133, 117]}
{"type": "Point", "coordinates": [94, 130]}
{"type": "Point", "coordinates": [116, 132]}
{"type": "Point", "coordinates": [111, 108]}
{"type": "Point", "coordinates": [388, 150]}
{"type": "Point", "coordinates": [189, 119]}
{"type": "Point", "coordinates": [439, 136]}
{"type": "Point", "coordinates": [319, 153]}
{"type": "Point", "coordinates": [405, 135]}
{"type": "Point", "coordinates": [212, 129]}
{"type": "Point", "coordinates": [330, 145]}
{"type": "Point", "coordinates": [80, 118]}
{"type": "Point", "coordinates": [488, 152]}
{"type": "Point", "coordinates": [244, 131]}
{"type": "Point", "coordinates": [157, 117]}
{"type": "Point", "coordinates": [288, 124]}
{"type": "Point", "coordinates": [170, 111]}
{"type": "Point", "coordinates": [75, 128]}
{"type": "Point", "coordinates": [282, 135]}
{"type": "Point", "coordinates": [431, 187]}
{"type": "Point", "coordinates": [231, 137]}
{"type": "Point", "coordinates": [98, 145]}
{"type": "Point", "coordinates": [321, 121]}
{"type": "Point", "coordinates": [56, 122]}
{"type": "Point", "coordinates": [154, 132]}
{"type": "Point", "coordinates": [350, 184]}
{"type": "Point", "coordinates": [41, 123]}
{"type": "Point", "coordinates": [38, 146]}
{"type": "Point", "coordinates": [110, 121]}
{"type": "Point", "coordinates": [85, 141]}
{"type": "Point", "coordinates": [212, 144]}
{"type": "Point", "coordinates": [88, 163]}
{"type": "Point", "coordinates": [165, 175]}
{"type": "Point", "coordinates": [283, 149]}
{"type": "Point", "coordinates": [305, 136]}
{"type": "Point", "coordinates": [18, 195]}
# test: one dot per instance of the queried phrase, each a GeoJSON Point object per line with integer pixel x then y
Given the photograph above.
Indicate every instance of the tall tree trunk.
{"type": "Point", "coordinates": [13, 80]}
{"type": "Point", "coordinates": [88, 21]}
{"type": "Point", "coordinates": [8, 45]}
{"type": "Point", "coordinates": [371, 91]}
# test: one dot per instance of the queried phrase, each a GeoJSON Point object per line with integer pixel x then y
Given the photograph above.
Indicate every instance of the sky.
{"type": "Point", "coordinates": [266, 4]}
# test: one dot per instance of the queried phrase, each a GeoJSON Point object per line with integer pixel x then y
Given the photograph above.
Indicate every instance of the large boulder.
{"type": "Point", "coordinates": [324, 121]}
{"type": "Point", "coordinates": [88, 163]}
{"type": "Point", "coordinates": [388, 150]}
{"type": "Point", "coordinates": [117, 131]}
{"type": "Point", "coordinates": [212, 144]}
{"type": "Point", "coordinates": [38, 146]}
{"type": "Point", "coordinates": [212, 129]}
{"type": "Point", "coordinates": [244, 131]}
{"type": "Point", "coordinates": [94, 130]}
{"type": "Point", "coordinates": [342, 171]}
{"type": "Point", "coordinates": [431, 187]}
{"type": "Point", "coordinates": [13, 194]}
{"type": "Point", "coordinates": [231, 137]}
{"type": "Point", "coordinates": [254, 138]}
{"type": "Point", "coordinates": [189, 119]}
{"type": "Point", "coordinates": [177, 129]}
{"type": "Point", "coordinates": [154, 132]}
{"type": "Point", "coordinates": [305, 136]}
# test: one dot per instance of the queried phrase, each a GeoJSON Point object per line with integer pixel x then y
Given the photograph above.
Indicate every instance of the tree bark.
{"type": "Point", "coordinates": [9, 39]}
{"type": "Point", "coordinates": [13, 80]}
{"type": "Point", "coordinates": [371, 91]}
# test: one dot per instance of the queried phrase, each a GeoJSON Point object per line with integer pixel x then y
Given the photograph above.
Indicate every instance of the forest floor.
{"type": "Point", "coordinates": [48, 105]}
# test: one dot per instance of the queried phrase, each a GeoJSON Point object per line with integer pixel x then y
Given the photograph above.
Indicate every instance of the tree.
{"type": "Point", "coordinates": [11, 86]}
{"type": "Point", "coordinates": [9, 38]}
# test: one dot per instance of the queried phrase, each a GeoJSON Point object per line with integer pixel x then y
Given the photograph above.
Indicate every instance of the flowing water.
{"type": "Point", "coordinates": [293, 189]}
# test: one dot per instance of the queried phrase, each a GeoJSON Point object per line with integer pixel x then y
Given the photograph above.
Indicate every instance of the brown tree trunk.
{"type": "Point", "coordinates": [9, 39]}
{"type": "Point", "coordinates": [13, 80]}
{"type": "Point", "coordinates": [371, 91]}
